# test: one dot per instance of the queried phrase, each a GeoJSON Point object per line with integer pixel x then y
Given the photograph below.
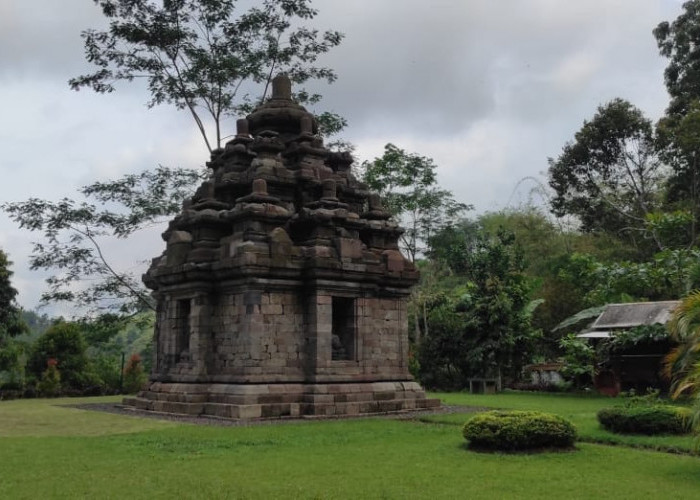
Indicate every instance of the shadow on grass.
{"type": "Point", "coordinates": [526, 451]}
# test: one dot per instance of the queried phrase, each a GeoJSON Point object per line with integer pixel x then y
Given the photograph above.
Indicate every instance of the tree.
{"type": "Point", "coordinates": [36, 323]}
{"type": "Point", "coordinates": [579, 361]}
{"type": "Point", "coordinates": [11, 324]}
{"type": "Point", "coordinates": [611, 177]}
{"type": "Point", "coordinates": [408, 184]}
{"type": "Point", "coordinates": [64, 343]}
{"type": "Point", "coordinates": [74, 233]}
{"type": "Point", "coordinates": [545, 247]}
{"type": "Point", "coordinates": [200, 57]}
{"type": "Point", "coordinates": [679, 147]}
{"type": "Point", "coordinates": [430, 288]}
{"type": "Point", "coordinates": [682, 364]}
{"type": "Point", "coordinates": [679, 41]}
{"type": "Point", "coordinates": [482, 327]}
{"type": "Point", "coordinates": [679, 129]}
{"type": "Point", "coordinates": [195, 55]}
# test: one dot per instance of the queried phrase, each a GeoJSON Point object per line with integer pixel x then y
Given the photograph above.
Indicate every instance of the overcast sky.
{"type": "Point", "coordinates": [488, 88]}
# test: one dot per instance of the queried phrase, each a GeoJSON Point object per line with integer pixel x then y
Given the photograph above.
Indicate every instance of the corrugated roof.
{"type": "Point", "coordinates": [635, 314]}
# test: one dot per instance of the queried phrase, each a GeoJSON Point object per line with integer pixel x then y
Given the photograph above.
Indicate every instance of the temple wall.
{"type": "Point", "coordinates": [258, 336]}
{"type": "Point", "coordinates": [381, 341]}
{"type": "Point", "coordinates": [263, 337]}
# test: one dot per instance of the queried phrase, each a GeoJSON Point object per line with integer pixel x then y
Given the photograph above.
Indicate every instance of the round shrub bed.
{"type": "Point", "coordinates": [656, 419]}
{"type": "Point", "coordinates": [518, 430]}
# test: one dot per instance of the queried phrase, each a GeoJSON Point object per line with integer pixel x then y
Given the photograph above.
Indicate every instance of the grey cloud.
{"type": "Point", "coordinates": [43, 37]}
{"type": "Point", "coordinates": [448, 64]}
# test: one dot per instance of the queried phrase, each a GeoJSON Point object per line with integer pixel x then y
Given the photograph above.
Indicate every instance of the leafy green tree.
{"type": "Point", "coordinates": [74, 235]}
{"type": "Point", "coordinates": [579, 359]}
{"type": "Point", "coordinates": [444, 354]}
{"type": "Point", "coordinates": [11, 323]}
{"type": "Point", "coordinates": [681, 364]}
{"type": "Point", "coordinates": [11, 326]}
{"type": "Point", "coordinates": [434, 280]}
{"type": "Point", "coordinates": [610, 177]}
{"type": "Point", "coordinates": [408, 185]}
{"type": "Point", "coordinates": [679, 41]}
{"type": "Point", "coordinates": [679, 129]}
{"type": "Point", "coordinates": [36, 323]}
{"type": "Point", "coordinates": [202, 56]}
{"type": "Point", "coordinates": [483, 328]}
{"type": "Point", "coordinates": [111, 336]}
{"type": "Point", "coordinates": [64, 343]}
{"type": "Point", "coordinates": [668, 275]}
{"type": "Point", "coordinates": [205, 57]}
{"type": "Point", "coordinates": [50, 384]}
{"type": "Point", "coordinates": [679, 146]}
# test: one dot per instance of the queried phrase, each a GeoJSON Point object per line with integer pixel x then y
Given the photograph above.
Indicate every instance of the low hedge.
{"type": "Point", "coordinates": [655, 419]}
{"type": "Point", "coordinates": [518, 430]}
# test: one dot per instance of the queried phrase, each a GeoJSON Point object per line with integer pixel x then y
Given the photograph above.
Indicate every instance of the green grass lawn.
{"type": "Point", "coordinates": [580, 409]}
{"type": "Point", "coordinates": [52, 417]}
{"type": "Point", "coordinates": [48, 451]}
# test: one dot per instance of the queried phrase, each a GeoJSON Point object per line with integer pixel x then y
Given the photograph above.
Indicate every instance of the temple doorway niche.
{"type": "Point", "coordinates": [343, 333]}
{"type": "Point", "coordinates": [184, 327]}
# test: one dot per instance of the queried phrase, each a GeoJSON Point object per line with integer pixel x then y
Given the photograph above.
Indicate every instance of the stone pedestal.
{"type": "Point", "coordinates": [255, 401]}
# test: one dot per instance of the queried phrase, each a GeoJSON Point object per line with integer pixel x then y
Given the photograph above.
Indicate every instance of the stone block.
{"type": "Point", "coordinates": [324, 300]}
{"type": "Point", "coordinates": [272, 309]}
{"type": "Point", "coordinates": [382, 396]}
{"type": "Point", "coordinates": [427, 403]}
{"type": "Point", "coordinates": [274, 410]}
{"type": "Point", "coordinates": [348, 248]}
{"type": "Point", "coordinates": [246, 411]}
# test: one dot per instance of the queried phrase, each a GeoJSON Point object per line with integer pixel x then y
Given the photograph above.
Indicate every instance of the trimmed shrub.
{"type": "Point", "coordinates": [518, 430]}
{"type": "Point", "coordinates": [656, 419]}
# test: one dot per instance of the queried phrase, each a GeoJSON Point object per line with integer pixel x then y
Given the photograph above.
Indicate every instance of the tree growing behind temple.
{"type": "Point", "coordinates": [74, 234]}
{"type": "Point", "coordinates": [202, 56]}
{"type": "Point", "coordinates": [408, 185]}
{"type": "Point", "coordinates": [205, 57]}
{"type": "Point", "coordinates": [482, 325]}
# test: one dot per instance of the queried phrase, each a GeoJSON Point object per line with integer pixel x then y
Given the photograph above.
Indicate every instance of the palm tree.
{"type": "Point", "coordinates": [682, 364]}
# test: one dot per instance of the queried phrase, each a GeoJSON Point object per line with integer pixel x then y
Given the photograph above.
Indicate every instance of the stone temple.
{"type": "Point", "coordinates": [282, 291]}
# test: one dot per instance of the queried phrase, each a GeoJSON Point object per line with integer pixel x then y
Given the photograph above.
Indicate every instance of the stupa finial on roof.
{"type": "Point", "coordinates": [281, 87]}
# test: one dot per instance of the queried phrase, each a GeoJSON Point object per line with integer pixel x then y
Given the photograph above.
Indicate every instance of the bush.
{"type": "Point", "coordinates": [134, 376]}
{"type": "Point", "coordinates": [50, 384]}
{"type": "Point", "coordinates": [518, 430]}
{"type": "Point", "coordinates": [579, 358]}
{"type": "Point", "coordinates": [64, 343]}
{"type": "Point", "coordinates": [108, 370]}
{"type": "Point", "coordinates": [657, 419]}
